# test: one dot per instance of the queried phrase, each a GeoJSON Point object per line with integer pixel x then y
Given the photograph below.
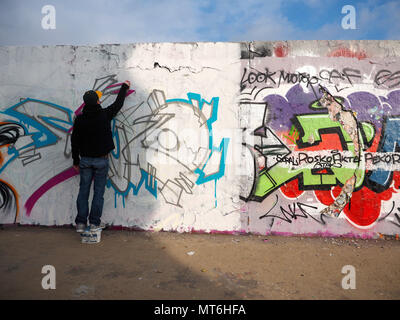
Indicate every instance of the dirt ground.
{"type": "Point", "coordinates": [144, 265]}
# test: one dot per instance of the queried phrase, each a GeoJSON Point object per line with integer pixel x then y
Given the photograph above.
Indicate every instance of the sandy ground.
{"type": "Point", "coordinates": [143, 265]}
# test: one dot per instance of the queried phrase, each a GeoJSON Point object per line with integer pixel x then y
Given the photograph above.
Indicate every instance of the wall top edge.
{"type": "Point", "coordinates": [291, 43]}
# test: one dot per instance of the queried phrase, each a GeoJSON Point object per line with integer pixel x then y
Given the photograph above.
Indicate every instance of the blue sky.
{"type": "Point", "coordinates": [128, 21]}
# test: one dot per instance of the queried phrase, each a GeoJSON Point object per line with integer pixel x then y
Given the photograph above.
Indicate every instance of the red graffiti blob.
{"type": "Point", "coordinates": [365, 205]}
{"type": "Point", "coordinates": [281, 50]}
{"type": "Point", "coordinates": [347, 53]}
{"type": "Point", "coordinates": [291, 189]}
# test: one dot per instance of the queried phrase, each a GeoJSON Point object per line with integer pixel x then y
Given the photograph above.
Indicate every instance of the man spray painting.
{"type": "Point", "coordinates": [91, 142]}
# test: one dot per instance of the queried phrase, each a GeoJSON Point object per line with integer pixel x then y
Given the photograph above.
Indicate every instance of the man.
{"type": "Point", "coordinates": [91, 142]}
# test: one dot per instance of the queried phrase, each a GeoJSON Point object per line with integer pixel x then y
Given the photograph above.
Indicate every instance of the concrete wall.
{"type": "Point", "coordinates": [227, 137]}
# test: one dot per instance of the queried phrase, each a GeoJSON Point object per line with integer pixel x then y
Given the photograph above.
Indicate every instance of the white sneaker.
{"type": "Point", "coordinates": [94, 228]}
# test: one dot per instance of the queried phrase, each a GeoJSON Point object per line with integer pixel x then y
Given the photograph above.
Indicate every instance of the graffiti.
{"type": "Point", "coordinates": [255, 49]}
{"type": "Point", "coordinates": [8, 202]}
{"type": "Point", "coordinates": [348, 122]}
{"type": "Point", "coordinates": [9, 133]}
{"type": "Point", "coordinates": [292, 214]}
{"type": "Point", "coordinates": [336, 77]}
{"type": "Point", "coordinates": [331, 152]}
{"type": "Point", "coordinates": [264, 152]}
{"type": "Point", "coordinates": [374, 161]}
{"type": "Point", "coordinates": [347, 53]}
{"type": "Point", "coordinates": [293, 135]}
{"type": "Point", "coordinates": [342, 79]}
{"type": "Point", "coordinates": [393, 220]}
{"type": "Point", "coordinates": [70, 172]}
{"type": "Point", "coordinates": [273, 138]}
{"type": "Point", "coordinates": [387, 78]}
{"type": "Point", "coordinates": [310, 127]}
{"type": "Point", "coordinates": [397, 222]}
{"type": "Point", "coordinates": [270, 79]}
{"type": "Point", "coordinates": [151, 138]}
{"type": "Point", "coordinates": [281, 50]}
{"type": "Point", "coordinates": [9, 206]}
{"type": "Point", "coordinates": [161, 144]}
{"type": "Point", "coordinates": [39, 131]}
{"type": "Point", "coordinates": [33, 132]}
{"type": "Point", "coordinates": [380, 179]}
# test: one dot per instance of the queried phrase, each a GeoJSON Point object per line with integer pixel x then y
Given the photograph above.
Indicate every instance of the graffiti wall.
{"type": "Point", "coordinates": [259, 137]}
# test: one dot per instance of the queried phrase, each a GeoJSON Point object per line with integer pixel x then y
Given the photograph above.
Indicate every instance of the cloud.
{"type": "Point", "coordinates": [374, 20]}
{"type": "Point", "coordinates": [377, 18]}
{"type": "Point", "coordinates": [247, 20]}
{"type": "Point", "coordinates": [90, 22]}
{"type": "Point", "coordinates": [99, 21]}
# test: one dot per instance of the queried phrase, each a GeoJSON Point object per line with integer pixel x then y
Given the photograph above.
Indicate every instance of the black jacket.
{"type": "Point", "coordinates": [91, 135]}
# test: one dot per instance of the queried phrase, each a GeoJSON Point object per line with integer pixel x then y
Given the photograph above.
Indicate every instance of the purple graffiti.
{"type": "Point", "coordinates": [369, 107]}
{"type": "Point", "coordinates": [61, 177]}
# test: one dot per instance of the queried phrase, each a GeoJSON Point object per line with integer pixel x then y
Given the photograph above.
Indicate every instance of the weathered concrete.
{"type": "Point", "coordinates": [227, 137]}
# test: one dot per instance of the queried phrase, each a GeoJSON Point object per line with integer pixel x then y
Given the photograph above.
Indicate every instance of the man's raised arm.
{"type": "Point", "coordinates": [113, 109]}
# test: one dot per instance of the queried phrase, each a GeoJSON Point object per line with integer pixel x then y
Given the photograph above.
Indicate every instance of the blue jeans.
{"type": "Point", "coordinates": [95, 169]}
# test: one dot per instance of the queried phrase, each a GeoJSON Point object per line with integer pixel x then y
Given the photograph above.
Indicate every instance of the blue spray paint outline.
{"type": "Point", "coordinates": [222, 147]}
{"type": "Point", "coordinates": [26, 122]}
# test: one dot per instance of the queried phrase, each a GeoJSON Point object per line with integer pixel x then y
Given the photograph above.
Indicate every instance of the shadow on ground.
{"type": "Point", "coordinates": [144, 265]}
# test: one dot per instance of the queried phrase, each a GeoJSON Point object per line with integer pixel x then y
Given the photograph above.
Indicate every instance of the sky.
{"type": "Point", "coordinates": [82, 22]}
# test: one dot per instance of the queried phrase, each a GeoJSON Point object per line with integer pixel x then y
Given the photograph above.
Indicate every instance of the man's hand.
{"type": "Point", "coordinates": [76, 168]}
{"type": "Point", "coordinates": [127, 82]}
